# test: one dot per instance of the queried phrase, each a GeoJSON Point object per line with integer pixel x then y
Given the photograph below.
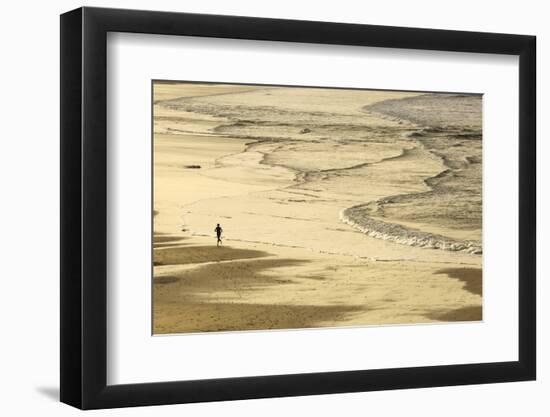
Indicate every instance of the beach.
{"type": "Point", "coordinates": [338, 208]}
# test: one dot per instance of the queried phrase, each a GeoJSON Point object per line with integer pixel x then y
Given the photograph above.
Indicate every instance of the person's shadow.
{"type": "Point", "coordinates": [50, 392]}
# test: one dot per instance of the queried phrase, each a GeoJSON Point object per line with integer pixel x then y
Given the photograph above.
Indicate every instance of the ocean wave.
{"type": "Point", "coordinates": [447, 112]}
{"type": "Point", "coordinates": [355, 217]}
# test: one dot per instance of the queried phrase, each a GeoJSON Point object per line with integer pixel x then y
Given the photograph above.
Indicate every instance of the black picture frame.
{"type": "Point", "coordinates": [84, 207]}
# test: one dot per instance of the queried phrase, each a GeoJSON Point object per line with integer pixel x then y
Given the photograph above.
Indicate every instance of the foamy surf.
{"type": "Point", "coordinates": [355, 217]}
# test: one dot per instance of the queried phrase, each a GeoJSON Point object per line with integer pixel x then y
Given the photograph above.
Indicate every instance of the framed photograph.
{"type": "Point", "coordinates": [259, 208]}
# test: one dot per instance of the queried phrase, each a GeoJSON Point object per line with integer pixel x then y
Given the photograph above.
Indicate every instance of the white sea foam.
{"type": "Point", "coordinates": [397, 233]}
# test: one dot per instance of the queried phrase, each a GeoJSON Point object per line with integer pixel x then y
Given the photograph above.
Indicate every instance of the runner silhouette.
{"type": "Point", "coordinates": [218, 231]}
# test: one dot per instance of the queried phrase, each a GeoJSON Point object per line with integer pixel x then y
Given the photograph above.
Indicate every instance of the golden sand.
{"type": "Point", "coordinates": [291, 265]}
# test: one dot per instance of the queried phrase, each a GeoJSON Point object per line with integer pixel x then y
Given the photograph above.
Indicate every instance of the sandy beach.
{"type": "Point", "coordinates": [339, 208]}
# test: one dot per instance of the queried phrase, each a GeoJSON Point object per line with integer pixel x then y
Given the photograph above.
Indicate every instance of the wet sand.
{"type": "Point", "coordinates": [288, 260]}
{"type": "Point", "coordinates": [201, 287]}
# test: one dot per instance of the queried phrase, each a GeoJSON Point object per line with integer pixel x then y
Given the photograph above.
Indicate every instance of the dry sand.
{"type": "Point", "coordinates": [288, 260]}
